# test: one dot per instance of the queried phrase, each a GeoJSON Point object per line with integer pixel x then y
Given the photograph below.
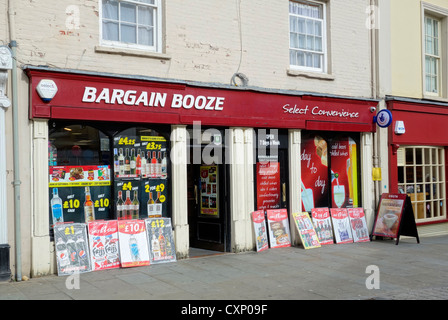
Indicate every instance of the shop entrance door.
{"type": "Point", "coordinates": [207, 202]}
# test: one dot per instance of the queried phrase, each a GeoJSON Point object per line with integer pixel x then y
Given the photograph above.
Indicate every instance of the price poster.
{"type": "Point", "coordinates": [104, 247]}
{"type": "Point", "coordinates": [344, 173]}
{"type": "Point", "coordinates": [268, 185]}
{"type": "Point", "coordinates": [160, 240]}
{"type": "Point", "coordinates": [133, 243]}
{"type": "Point", "coordinates": [278, 227]}
{"type": "Point", "coordinates": [259, 224]}
{"type": "Point", "coordinates": [341, 225]}
{"type": "Point", "coordinates": [322, 225]}
{"type": "Point", "coordinates": [72, 251]}
{"type": "Point", "coordinates": [314, 183]}
{"type": "Point", "coordinates": [71, 187]}
{"type": "Point", "coordinates": [306, 230]}
{"type": "Point", "coordinates": [140, 169]}
{"type": "Point", "coordinates": [359, 225]}
{"type": "Point", "coordinates": [209, 191]}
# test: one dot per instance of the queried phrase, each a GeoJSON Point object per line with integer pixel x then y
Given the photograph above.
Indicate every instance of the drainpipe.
{"type": "Point", "coordinates": [15, 118]}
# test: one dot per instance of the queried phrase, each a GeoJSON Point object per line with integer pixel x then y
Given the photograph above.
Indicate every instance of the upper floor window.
{"type": "Point", "coordinates": [432, 55]}
{"type": "Point", "coordinates": [131, 23]}
{"type": "Point", "coordinates": [307, 50]}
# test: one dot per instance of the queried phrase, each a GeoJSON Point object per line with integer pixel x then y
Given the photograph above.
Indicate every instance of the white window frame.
{"type": "Point", "coordinates": [157, 47]}
{"type": "Point", "coordinates": [435, 56]}
{"type": "Point", "coordinates": [427, 189]}
{"type": "Point", "coordinates": [324, 53]}
{"type": "Point", "coordinates": [441, 15]}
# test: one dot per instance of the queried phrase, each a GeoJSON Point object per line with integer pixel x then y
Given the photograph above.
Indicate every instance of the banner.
{"type": "Point", "coordinates": [306, 230]}
{"type": "Point", "coordinates": [322, 225]}
{"type": "Point", "coordinates": [314, 183]}
{"type": "Point", "coordinates": [72, 252]}
{"type": "Point", "coordinates": [278, 226]}
{"type": "Point", "coordinates": [259, 223]}
{"type": "Point", "coordinates": [160, 240]}
{"type": "Point", "coordinates": [268, 185]}
{"type": "Point", "coordinates": [79, 193]}
{"type": "Point", "coordinates": [341, 225]}
{"type": "Point", "coordinates": [358, 224]}
{"type": "Point", "coordinates": [133, 243]}
{"type": "Point", "coordinates": [104, 246]}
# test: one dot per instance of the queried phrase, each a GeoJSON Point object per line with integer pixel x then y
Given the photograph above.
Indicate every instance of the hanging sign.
{"type": "Point", "coordinates": [259, 223]}
{"type": "Point", "coordinates": [383, 118]}
{"type": "Point", "coordinates": [72, 252]}
{"type": "Point", "coordinates": [160, 240]}
{"type": "Point", "coordinates": [278, 226]}
{"type": "Point", "coordinates": [322, 225]}
{"type": "Point", "coordinates": [306, 230]}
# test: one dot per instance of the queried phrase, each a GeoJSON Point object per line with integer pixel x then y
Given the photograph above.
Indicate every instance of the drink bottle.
{"type": "Point", "coordinates": [56, 207]}
{"type": "Point", "coordinates": [121, 162]}
{"type": "Point", "coordinates": [62, 253]}
{"type": "Point", "coordinates": [127, 207]}
{"type": "Point", "coordinates": [120, 204]}
{"type": "Point", "coordinates": [116, 162]}
{"type": "Point", "coordinates": [89, 210]}
{"type": "Point", "coordinates": [81, 248]}
{"type": "Point", "coordinates": [133, 247]}
{"type": "Point", "coordinates": [132, 163]}
{"type": "Point", "coordinates": [150, 206]}
{"type": "Point", "coordinates": [158, 206]}
{"type": "Point", "coordinates": [135, 206]}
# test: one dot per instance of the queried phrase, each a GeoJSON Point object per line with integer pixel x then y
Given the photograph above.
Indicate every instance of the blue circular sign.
{"type": "Point", "coordinates": [384, 118]}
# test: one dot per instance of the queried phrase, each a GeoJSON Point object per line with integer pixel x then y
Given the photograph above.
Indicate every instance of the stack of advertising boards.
{"type": "Point", "coordinates": [324, 226]}
{"type": "Point", "coordinates": [100, 245]}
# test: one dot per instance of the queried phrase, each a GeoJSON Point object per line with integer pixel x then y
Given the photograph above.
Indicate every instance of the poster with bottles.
{"type": "Point", "coordinates": [159, 232]}
{"type": "Point", "coordinates": [72, 250]}
{"type": "Point", "coordinates": [79, 193]}
{"type": "Point", "coordinates": [104, 247]}
{"type": "Point", "coordinates": [341, 225]}
{"type": "Point", "coordinates": [322, 225]}
{"type": "Point", "coordinates": [140, 171]}
{"type": "Point", "coordinates": [306, 230]}
{"type": "Point", "coordinates": [261, 237]}
{"type": "Point", "coordinates": [359, 225]}
{"type": "Point", "coordinates": [209, 190]}
{"type": "Point", "coordinates": [133, 243]}
{"type": "Point", "coordinates": [314, 183]}
{"type": "Point", "coordinates": [278, 227]}
{"type": "Point", "coordinates": [344, 173]}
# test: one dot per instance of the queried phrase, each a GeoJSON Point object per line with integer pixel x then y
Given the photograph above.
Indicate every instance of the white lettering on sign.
{"type": "Point", "coordinates": [317, 111]}
{"type": "Point", "coordinates": [151, 99]}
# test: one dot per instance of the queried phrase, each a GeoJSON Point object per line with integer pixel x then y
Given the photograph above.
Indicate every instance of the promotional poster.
{"type": "Point", "coordinates": [104, 246]}
{"type": "Point", "coordinates": [341, 225]}
{"type": "Point", "coordinates": [209, 191]}
{"type": "Point", "coordinates": [358, 224]}
{"type": "Point", "coordinates": [278, 227]}
{"type": "Point", "coordinates": [72, 249]}
{"type": "Point", "coordinates": [160, 240]}
{"type": "Point", "coordinates": [133, 243]}
{"type": "Point", "coordinates": [259, 223]}
{"type": "Point", "coordinates": [268, 185]}
{"type": "Point", "coordinates": [306, 230]}
{"type": "Point", "coordinates": [389, 215]}
{"type": "Point", "coordinates": [322, 225]}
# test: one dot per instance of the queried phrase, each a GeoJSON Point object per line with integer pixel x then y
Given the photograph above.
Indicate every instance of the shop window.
{"type": "Point", "coordinates": [107, 174]}
{"type": "Point", "coordinates": [131, 24]}
{"type": "Point", "coordinates": [307, 35]}
{"type": "Point", "coordinates": [330, 171]}
{"type": "Point", "coordinates": [421, 175]}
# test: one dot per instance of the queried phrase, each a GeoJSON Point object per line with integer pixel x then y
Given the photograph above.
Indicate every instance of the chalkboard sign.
{"type": "Point", "coordinates": [395, 217]}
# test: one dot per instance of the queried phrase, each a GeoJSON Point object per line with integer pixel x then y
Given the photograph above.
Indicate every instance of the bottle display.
{"type": "Point", "coordinates": [135, 206]}
{"type": "Point", "coordinates": [89, 209]}
{"type": "Point", "coordinates": [127, 207]}
{"type": "Point", "coordinates": [56, 207]}
{"type": "Point", "coordinates": [120, 206]}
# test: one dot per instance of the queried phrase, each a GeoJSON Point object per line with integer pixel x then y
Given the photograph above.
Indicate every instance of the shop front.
{"type": "Point", "coordinates": [418, 142]}
{"type": "Point", "coordinates": [109, 147]}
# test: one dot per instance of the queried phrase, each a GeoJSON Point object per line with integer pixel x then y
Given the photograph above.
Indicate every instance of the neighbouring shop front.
{"type": "Point", "coordinates": [418, 142]}
{"type": "Point", "coordinates": [121, 148]}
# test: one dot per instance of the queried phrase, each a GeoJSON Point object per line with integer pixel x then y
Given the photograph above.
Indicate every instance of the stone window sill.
{"type": "Point", "coordinates": [310, 75]}
{"type": "Point", "coordinates": [132, 52]}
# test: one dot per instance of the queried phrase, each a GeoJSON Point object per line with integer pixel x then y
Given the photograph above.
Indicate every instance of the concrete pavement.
{"type": "Point", "coordinates": [340, 271]}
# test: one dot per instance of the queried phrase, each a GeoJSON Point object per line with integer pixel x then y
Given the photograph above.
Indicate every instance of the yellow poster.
{"type": "Point", "coordinates": [208, 189]}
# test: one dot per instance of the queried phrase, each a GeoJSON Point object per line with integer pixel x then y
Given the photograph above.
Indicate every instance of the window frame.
{"type": "Point", "coordinates": [436, 56]}
{"type": "Point", "coordinates": [420, 189]}
{"type": "Point", "coordinates": [157, 47]}
{"type": "Point", "coordinates": [324, 68]}
{"type": "Point", "coordinates": [441, 15]}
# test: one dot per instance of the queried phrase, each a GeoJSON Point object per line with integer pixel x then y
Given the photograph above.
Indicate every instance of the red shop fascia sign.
{"type": "Point", "coordinates": [87, 96]}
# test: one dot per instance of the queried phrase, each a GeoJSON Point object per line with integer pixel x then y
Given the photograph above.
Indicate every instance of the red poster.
{"type": "Point", "coordinates": [104, 249]}
{"type": "Point", "coordinates": [344, 173]}
{"type": "Point", "coordinates": [341, 225]}
{"type": "Point", "coordinates": [358, 224]}
{"type": "Point", "coordinates": [278, 226]}
{"type": "Point", "coordinates": [260, 230]}
{"type": "Point", "coordinates": [322, 225]}
{"type": "Point", "coordinates": [268, 185]}
{"type": "Point", "coordinates": [314, 184]}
